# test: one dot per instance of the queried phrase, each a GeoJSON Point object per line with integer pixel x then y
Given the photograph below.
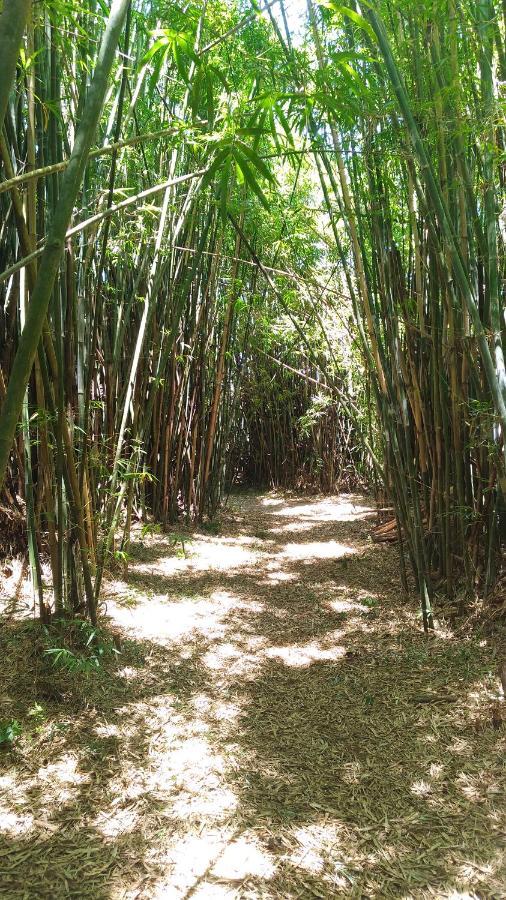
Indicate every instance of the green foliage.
{"type": "Point", "coordinates": [177, 44]}
{"type": "Point", "coordinates": [315, 413]}
{"type": "Point", "coordinates": [9, 731]}
{"type": "Point", "coordinates": [82, 648]}
{"type": "Point", "coordinates": [351, 14]}
{"type": "Point", "coordinates": [233, 157]}
{"type": "Point", "coordinates": [370, 602]}
{"type": "Point", "coordinates": [37, 712]}
{"type": "Point", "coordinates": [179, 542]}
{"type": "Point", "coordinates": [150, 528]}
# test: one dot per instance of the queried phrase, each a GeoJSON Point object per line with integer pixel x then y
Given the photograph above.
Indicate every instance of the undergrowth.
{"type": "Point", "coordinates": [78, 646]}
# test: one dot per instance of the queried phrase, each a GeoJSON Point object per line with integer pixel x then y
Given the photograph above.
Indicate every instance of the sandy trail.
{"type": "Point", "coordinates": [275, 726]}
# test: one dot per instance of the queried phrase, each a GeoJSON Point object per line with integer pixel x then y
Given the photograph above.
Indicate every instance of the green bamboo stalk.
{"type": "Point", "coordinates": [55, 242]}
{"type": "Point", "coordinates": [496, 386]}
{"type": "Point", "coordinates": [13, 19]}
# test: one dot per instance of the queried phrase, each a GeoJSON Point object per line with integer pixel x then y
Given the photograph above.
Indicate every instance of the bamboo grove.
{"type": "Point", "coordinates": [231, 252]}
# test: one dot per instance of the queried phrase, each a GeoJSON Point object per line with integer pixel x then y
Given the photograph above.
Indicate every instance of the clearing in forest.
{"type": "Point", "coordinates": [275, 725]}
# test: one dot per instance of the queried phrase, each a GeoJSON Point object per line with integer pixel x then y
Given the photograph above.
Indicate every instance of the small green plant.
{"type": "Point", "coordinates": [90, 647]}
{"type": "Point", "coordinates": [122, 556]}
{"type": "Point", "coordinates": [9, 731]}
{"type": "Point", "coordinates": [37, 712]}
{"type": "Point", "coordinates": [370, 602]}
{"type": "Point", "coordinates": [150, 528]}
{"type": "Point", "coordinates": [176, 538]}
{"type": "Point", "coordinates": [64, 659]}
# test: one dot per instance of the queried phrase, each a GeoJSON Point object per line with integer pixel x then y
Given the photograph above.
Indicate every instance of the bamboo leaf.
{"type": "Point", "coordinates": [256, 160]}
{"type": "Point", "coordinates": [250, 179]}
{"type": "Point", "coordinates": [351, 14]}
{"type": "Point", "coordinates": [160, 44]}
{"type": "Point", "coordinates": [219, 159]}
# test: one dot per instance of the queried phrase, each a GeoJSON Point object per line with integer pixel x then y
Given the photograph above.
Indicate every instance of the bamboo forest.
{"type": "Point", "coordinates": [252, 449]}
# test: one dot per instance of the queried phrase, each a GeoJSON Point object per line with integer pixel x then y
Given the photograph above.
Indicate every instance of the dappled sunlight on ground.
{"type": "Point", "coordinates": [316, 550]}
{"type": "Point", "coordinates": [172, 620]}
{"type": "Point", "coordinates": [275, 726]}
{"type": "Point", "coordinates": [16, 594]}
{"type": "Point", "coordinates": [337, 509]}
{"type": "Point", "coordinates": [304, 656]}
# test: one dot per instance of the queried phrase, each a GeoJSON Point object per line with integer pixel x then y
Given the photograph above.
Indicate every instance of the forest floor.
{"type": "Point", "coordinates": [276, 725]}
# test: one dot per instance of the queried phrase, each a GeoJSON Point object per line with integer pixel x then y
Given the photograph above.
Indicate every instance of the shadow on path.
{"type": "Point", "coordinates": [276, 725]}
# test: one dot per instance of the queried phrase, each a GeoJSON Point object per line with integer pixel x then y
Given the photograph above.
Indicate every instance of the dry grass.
{"type": "Point", "coordinates": [275, 726]}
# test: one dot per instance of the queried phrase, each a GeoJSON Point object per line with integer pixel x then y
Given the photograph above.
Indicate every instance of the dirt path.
{"type": "Point", "coordinates": [276, 726]}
